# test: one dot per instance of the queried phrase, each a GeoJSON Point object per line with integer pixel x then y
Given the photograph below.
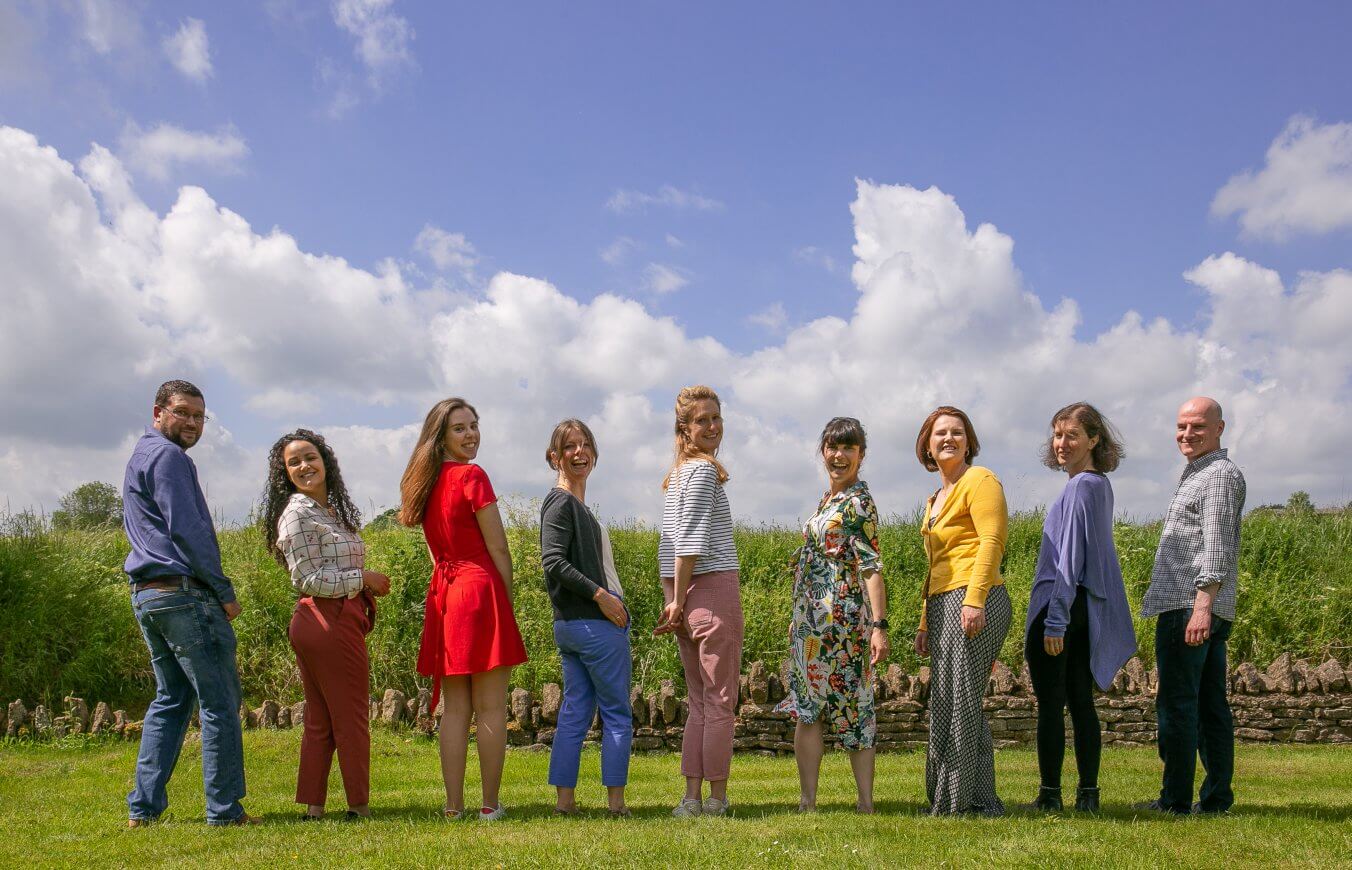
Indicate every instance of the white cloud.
{"type": "Point", "coordinates": [1305, 186]}
{"type": "Point", "coordinates": [674, 242]}
{"type": "Point", "coordinates": [614, 253]}
{"type": "Point", "coordinates": [817, 257]}
{"type": "Point", "coordinates": [625, 201]}
{"type": "Point", "coordinates": [773, 318]}
{"type": "Point", "coordinates": [106, 298]}
{"type": "Point", "coordinates": [164, 150]}
{"type": "Point", "coordinates": [108, 26]}
{"type": "Point", "coordinates": [383, 38]}
{"type": "Point", "coordinates": [189, 51]}
{"type": "Point", "coordinates": [662, 279]}
{"type": "Point", "coordinates": [450, 252]}
{"type": "Point", "coordinates": [283, 403]}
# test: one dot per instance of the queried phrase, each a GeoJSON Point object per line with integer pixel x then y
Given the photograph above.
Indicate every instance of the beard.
{"type": "Point", "coordinates": [181, 438]}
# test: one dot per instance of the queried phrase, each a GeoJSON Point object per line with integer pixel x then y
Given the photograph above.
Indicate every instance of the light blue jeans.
{"type": "Point", "coordinates": [192, 650]}
{"type": "Point", "coordinates": [596, 671]}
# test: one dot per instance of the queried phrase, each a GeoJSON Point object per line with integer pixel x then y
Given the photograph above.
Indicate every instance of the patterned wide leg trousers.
{"type": "Point", "coordinates": [960, 764]}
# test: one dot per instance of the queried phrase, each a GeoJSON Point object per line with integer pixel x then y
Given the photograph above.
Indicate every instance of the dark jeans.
{"type": "Point", "coordinates": [1060, 681]}
{"type": "Point", "coordinates": [192, 650]}
{"type": "Point", "coordinates": [1194, 714]}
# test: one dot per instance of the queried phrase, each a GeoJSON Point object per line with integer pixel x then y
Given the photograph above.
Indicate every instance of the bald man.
{"type": "Point", "coordinates": [1192, 592]}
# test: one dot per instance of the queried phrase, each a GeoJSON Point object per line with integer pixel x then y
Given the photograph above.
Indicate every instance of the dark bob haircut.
{"type": "Point", "coordinates": [843, 432]}
{"type": "Point", "coordinates": [1108, 452]}
{"type": "Point", "coordinates": [560, 437]}
{"type": "Point", "coordinates": [922, 440]}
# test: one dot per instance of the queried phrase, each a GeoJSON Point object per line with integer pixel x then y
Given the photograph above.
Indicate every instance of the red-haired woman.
{"type": "Point", "coordinates": [965, 613]}
{"type": "Point", "coordinates": [470, 640]}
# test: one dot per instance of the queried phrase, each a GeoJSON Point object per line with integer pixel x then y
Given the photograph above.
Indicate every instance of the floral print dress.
{"type": "Point", "coordinates": [831, 680]}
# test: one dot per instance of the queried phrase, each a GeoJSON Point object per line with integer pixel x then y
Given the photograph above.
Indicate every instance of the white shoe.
{"type": "Point", "coordinates": [688, 808]}
{"type": "Point", "coordinates": [715, 807]}
{"type": "Point", "coordinates": [487, 815]}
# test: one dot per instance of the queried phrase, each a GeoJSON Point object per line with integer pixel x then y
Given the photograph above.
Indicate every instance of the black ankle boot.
{"type": "Point", "coordinates": [1087, 800]}
{"type": "Point", "coordinates": [1048, 800]}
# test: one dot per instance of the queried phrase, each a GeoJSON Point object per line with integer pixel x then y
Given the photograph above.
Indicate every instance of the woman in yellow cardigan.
{"type": "Point", "coordinates": [965, 613]}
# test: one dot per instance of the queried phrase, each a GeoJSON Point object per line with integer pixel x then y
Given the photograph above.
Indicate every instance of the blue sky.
{"type": "Point", "coordinates": [546, 134]}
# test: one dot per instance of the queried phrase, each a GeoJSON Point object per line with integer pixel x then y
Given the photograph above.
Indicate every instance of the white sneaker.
{"type": "Point", "coordinates": [715, 807]}
{"type": "Point", "coordinates": [487, 815]}
{"type": "Point", "coordinates": [688, 808]}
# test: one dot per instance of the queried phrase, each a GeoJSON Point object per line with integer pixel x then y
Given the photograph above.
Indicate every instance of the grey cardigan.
{"type": "Point", "coordinates": [570, 551]}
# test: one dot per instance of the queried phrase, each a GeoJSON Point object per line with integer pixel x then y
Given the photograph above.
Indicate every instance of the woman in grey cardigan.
{"type": "Point", "coordinates": [591, 624]}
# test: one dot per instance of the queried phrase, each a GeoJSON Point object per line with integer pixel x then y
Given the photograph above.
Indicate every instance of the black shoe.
{"type": "Point", "coordinates": [1156, 806]}
{"type": "Point", "coordinates": [1197, 810]}
{"type": "Point", "coordinates": [1048, 801]}
{"type": "Point", "coordinates": [1087, 800]}
{"type": "Point", "coordinates": [354, 816]}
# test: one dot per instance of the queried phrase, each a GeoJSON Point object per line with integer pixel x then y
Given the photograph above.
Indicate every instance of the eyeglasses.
{"type": "Point", "coordinates": [199, 419]}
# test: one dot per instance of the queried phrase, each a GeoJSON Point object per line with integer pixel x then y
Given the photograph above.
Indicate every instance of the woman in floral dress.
{"type": "Point", "coordinates": [839, 628]}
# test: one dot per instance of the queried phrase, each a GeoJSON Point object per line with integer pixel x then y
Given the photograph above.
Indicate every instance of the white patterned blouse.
{"type": "Point", "coordinates": [325, 559]}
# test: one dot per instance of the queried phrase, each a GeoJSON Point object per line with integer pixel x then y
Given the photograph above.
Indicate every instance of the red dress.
{"type": "Point", "coordinates": [468, 625]}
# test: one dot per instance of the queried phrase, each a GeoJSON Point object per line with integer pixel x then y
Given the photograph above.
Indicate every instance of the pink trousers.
{"type": "Point", "coordinates": [710, 642]}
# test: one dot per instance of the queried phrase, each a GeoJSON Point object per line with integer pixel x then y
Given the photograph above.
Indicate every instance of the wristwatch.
{"type": "Point", "coordinates": [881, 623]}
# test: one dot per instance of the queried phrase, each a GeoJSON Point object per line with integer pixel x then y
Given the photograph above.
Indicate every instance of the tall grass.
{"type": "Point", "coordinates": [66, 625]}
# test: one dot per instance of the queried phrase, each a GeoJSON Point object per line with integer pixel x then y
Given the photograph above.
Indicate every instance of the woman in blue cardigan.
{"type": "Point", "coordinates": [1079, 623]}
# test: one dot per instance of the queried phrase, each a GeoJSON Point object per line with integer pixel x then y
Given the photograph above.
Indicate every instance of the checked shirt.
{"type": "Point", "coordinates": [1199, 545]}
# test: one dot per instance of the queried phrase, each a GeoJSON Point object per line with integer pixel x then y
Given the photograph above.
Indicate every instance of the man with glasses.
{"type": "Point", "coordinates": [184, 603]}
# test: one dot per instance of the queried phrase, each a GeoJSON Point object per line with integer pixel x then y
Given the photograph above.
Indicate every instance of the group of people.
{"type": "Point", "coordinates": [1078, 633]}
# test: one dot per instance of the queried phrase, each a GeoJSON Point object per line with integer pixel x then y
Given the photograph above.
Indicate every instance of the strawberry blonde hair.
{"type": "Point", "coordinates": [685, 449]}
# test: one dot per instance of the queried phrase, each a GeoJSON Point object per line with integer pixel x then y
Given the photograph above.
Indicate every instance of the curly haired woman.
{"type": "Point", "coordinates": [311, 527]}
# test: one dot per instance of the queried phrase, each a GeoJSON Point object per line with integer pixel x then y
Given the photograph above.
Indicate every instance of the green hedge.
{"type": "Point", "coordinates": [66, 626]}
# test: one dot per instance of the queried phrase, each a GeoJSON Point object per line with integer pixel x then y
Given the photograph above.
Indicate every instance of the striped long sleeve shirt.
{"type": "Point", "coordinates": [696, 521]}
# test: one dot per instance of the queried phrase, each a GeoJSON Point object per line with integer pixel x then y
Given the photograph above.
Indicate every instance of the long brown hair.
{"type": "Point", "coordinates": [425, 463]}
{"type": "Point", "coordinates": [685, 449]}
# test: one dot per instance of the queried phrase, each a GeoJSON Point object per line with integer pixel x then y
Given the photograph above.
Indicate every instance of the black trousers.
{"type": "Point", "coordinates": [1194, 714]}
{"type": "Point", "coordinates": [1059, 682]}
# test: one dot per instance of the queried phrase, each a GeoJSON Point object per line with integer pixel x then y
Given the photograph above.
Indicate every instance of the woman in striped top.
{"type": "Point", "coordinates": [698, 563]}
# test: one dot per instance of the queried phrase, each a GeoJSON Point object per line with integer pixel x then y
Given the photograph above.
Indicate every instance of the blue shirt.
{"type": "Point", "coordinates": [1077, 550]}
{"type": "Point", "coordinates": [166, 518]}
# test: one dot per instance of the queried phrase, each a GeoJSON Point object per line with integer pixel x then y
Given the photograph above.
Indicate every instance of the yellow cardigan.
{"type": "Point", "coordinates": [967, 542]}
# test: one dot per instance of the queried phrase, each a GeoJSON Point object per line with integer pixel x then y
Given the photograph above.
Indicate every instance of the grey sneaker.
{"type": "Point", "coordinates": [715, 807]}
{"type": "Point", "coordinates": [688, 808]}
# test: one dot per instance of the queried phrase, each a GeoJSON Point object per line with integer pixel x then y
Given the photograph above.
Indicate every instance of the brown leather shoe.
{"type": "Point", "coordinates": [139, 823]}
{"type": "Point", "coordinates": [241, 820]}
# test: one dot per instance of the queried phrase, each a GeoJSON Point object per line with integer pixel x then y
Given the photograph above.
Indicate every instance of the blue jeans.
{"type": "Point", "coordinates": [1194, 714]}
{"type": "Point", "coordinates": [596, 670]}
{"type": "Point", "coordinates": [192, 649]}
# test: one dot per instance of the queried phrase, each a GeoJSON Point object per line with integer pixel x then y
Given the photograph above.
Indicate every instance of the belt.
{"type": "Point", "coordinates": [172, 581]}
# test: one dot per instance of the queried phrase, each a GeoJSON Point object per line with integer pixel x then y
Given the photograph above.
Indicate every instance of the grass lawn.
{"type": "Point", "coordinates": [63, 806]}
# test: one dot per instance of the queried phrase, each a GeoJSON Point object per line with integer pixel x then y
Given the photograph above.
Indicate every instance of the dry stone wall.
{"type": "Point", "coordinates": [1291, 701]}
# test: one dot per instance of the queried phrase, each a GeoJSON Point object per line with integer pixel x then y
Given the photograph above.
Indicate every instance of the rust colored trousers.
{"type": "Point", "coordinates": [329, 637]}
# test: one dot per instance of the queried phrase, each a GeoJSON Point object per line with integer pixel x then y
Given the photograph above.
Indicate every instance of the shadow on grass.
{"type": "Point", "coordinates": [912, 809]}
{"type": "Point", "coordinates": [742, 811]}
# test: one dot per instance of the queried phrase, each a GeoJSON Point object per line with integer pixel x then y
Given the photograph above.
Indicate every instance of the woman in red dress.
{"type": "Point", "coordinates": [470, 641]}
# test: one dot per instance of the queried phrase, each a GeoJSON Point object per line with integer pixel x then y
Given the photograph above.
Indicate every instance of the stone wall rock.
{"type": "Point", "coordinates": [1290, 701]}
